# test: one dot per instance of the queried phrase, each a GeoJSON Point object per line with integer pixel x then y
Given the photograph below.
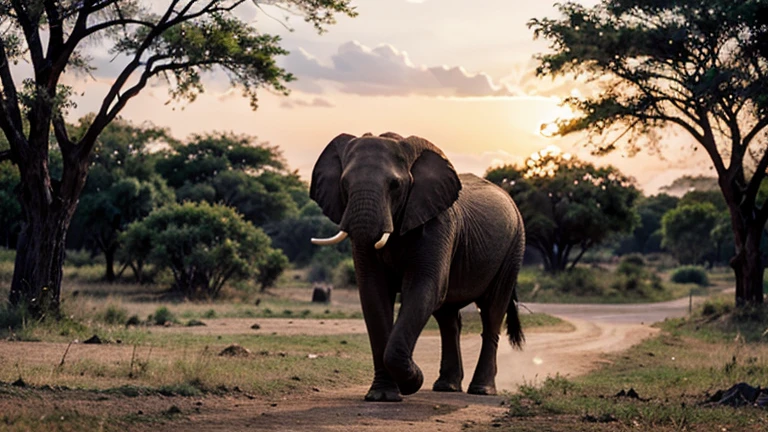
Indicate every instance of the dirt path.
{"type": "Point", "coordinates": [597, 330]}
{"type": "Point", "coordinates": [545, 354]}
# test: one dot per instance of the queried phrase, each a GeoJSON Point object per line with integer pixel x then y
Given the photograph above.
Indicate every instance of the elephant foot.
{"type": "Point", "coordinates": [383, 395]}
{"type": "Point", "coordinates": [482, 389]}
{"type": "Point", "coordinates": [444, 385]}
{"type": "Point", "coordinates": [412, 385]}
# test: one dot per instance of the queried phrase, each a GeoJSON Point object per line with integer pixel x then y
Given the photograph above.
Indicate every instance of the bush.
{"type": "Point", "coordinates": [344, 274]}
{"type": "Point", "coordinates": [690, 274]}
{"type": "Point", "coordinates": [271, 268]}
{"type": "Point", "coordinates": [162, 316]}
{"type": "Point", "coordinates": [579, 281]}
{"type": "Point", "coordinates": [205, 246]}
{"type": "Point", "coordinates": [631, 264]}
{"type": "Point", "coordinates": [322, 265]}
{"type": "Point", "coordinates": [82, 258]}
{"type": "Point", "coordinates": [115, 315]}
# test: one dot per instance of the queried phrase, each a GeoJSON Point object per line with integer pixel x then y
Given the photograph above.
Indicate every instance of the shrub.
{"type": "Point", "coordinates": [204, 245]}
{"type": "Point", "coordinates": [690, 274]}
{"type": "Point", "coordinates": [271, 268]}
{"type": "Point", "coordinates": [579, 281]}
{"type": "Point", "coordinates": [115, 315]}
{"type": "Point", "coordinates": [631, 264]}
{"type": "Point", "coordinates": [344, 274]}
{"type": "Point", "coordinates": [162, 316]}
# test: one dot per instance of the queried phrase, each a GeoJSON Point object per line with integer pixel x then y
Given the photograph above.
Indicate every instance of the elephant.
{"type": "Point", "coordinates": [439, 239]}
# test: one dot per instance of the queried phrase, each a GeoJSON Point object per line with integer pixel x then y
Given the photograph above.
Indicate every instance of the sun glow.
{"type": "Point", "coordinates": [550, 126]}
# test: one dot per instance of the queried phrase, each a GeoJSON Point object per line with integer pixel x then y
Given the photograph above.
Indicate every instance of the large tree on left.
{"type": "Point", "coordinates": [175, 40]}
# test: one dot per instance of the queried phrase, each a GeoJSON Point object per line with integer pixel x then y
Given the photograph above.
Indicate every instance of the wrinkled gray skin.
{"type": "Point", "coordinates": [456, 239]}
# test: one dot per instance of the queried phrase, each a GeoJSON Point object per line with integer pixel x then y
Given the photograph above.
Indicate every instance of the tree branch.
{"type": "Point", "coordinates": [29, 25]}
{"type": "Point", "coordinates": [5, 155]}
{"type": "Point", "coordinates": [11, 97]}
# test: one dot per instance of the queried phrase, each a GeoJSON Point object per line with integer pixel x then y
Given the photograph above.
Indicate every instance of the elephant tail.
{"type": "Point", "coordinates": [514, 329]}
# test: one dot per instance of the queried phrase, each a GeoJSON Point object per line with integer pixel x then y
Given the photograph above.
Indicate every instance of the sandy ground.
{"type": "Point", "coordinates": [598, 330]}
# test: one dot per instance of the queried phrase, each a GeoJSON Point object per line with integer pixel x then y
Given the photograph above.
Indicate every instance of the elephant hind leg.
{"type": "Point", "coordinates": [484, 378]}
{"type": "Point", "coordinates": [451, 368]}
{"type": "Point", "coordinates": [498, 301]}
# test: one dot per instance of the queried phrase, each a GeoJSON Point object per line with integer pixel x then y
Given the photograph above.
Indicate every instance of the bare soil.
{"type": "Point", "coordinates": [546, 353]}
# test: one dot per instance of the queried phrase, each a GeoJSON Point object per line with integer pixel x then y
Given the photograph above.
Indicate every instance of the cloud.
{"type": "Point", "coordinates": [385, 70]}
{"type": "Point", "coordinates": [317, 102]}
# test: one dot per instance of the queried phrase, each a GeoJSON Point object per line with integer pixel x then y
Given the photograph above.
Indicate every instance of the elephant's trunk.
{"type": "Point", "coordinates": [368, 219]}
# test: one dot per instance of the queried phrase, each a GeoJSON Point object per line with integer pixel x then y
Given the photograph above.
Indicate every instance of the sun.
{"type": "Point", "coordinates": [549, 125]}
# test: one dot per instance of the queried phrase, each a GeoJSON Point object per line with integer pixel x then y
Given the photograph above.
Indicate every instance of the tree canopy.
{"type": "Point", "coordinates": [568, 205]}
{"type": "Point", "coordinates": [174, 41]}
{"type": "Point", "coordinates": [701, 66]}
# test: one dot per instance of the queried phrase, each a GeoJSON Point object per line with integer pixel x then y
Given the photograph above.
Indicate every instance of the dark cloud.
{"type": "Point", "coordinates": [386, 71]}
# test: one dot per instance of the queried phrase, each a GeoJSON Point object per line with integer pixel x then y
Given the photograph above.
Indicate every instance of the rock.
{"type": "Point", "coordinates": [741, 394]}
{"type": "Point", "coordinates": [321, 294]}
{"type": "Point", "coordinates": [93, 340]}
{"type": "Point", "coordinates": [256, 326]}
{"type": "Point", "coordinates": [235, 350]}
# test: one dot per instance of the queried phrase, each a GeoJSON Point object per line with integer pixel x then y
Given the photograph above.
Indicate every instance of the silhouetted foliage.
{"type": "Point", "coordinates": [701, 66]}
{"type": "Point", "coordinates": [568, 205]}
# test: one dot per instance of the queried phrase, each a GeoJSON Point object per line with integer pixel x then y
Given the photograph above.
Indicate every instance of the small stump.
{"type": "Point", "coordinates": [321, 294]}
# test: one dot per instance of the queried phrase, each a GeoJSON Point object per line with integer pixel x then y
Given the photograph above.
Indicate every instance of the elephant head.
{"type": "Point", "coordinates": [373, 187]}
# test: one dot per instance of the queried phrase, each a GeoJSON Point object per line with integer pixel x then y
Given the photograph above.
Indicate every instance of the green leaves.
{"type": "Point", "coordinates": [567, 203]}
{"type": "Point", "coordinates": [204, 245]}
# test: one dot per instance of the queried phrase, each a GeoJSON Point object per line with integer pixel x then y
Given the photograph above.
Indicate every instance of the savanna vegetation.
{"type": "Point", "coordinates": [675, 381]}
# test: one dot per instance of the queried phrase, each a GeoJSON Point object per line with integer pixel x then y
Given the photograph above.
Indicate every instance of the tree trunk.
{"type": "Point", "coordinates": [748, 266]}
{"type": "Point", "coordinates": [109, 257]}
{"type": "Point", "coordinates": [47, 212]}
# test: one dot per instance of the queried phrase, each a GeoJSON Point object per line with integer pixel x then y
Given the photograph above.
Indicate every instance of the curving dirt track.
{"type": "Point", "coordinates": [598, 329]}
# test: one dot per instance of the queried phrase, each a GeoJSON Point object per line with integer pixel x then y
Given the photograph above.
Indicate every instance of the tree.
{"type": "Point", "coordinates": [205, 246]}
{"type": "Point", "coordinates": [233, 170]}
{"type": "Point", "coordinates": [700, 66]}
{"type": "Point", "coordinates": [10, 211]}
{"type": "Point", "coordinates": [687, 231]}
{"type": "Point", "coordinates": [646, 237]}
{"type": "Point", "coordinates": [567, 205]}
{"type": "Point", "coordinates": [122, 187]}
{"type": "Point", "coordinates": [175, 40]}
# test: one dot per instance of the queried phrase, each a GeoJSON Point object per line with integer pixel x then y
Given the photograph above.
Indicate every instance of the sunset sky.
{"type": "Point", "coordinates": [458, 73]}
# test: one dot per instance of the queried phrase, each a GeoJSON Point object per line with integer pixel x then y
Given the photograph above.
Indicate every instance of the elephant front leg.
{"type": "Point", "coordinates": [418, 303]}
{"type": "Point", "coordinates": [451, 368]}
{"type": "Point", "coordinates": [377, 299]}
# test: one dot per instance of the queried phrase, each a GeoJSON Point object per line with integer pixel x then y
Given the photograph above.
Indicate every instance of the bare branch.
{"type": "Point", "coordinates": [5, 155]}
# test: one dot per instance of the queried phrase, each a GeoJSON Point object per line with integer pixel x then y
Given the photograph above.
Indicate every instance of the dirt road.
{"type": "Point", "coordinates": [599, 329]}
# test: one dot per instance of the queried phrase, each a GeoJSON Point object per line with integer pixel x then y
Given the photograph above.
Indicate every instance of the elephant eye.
{"type": "Point", "coordinates": [394, 184]}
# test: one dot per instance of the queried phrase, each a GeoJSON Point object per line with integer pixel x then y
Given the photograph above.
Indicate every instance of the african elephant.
{"type": "Point", "coordinates": [440, 239]}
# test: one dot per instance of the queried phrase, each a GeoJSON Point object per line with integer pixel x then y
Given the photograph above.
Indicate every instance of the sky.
{"type": "Point", "coordinates": [458, 73]}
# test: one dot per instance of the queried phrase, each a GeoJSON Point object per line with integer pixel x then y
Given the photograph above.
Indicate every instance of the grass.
{"type": "Point", "coordinates": [604, 286]}
{"type": "Point", "coordinates": [674, 375]}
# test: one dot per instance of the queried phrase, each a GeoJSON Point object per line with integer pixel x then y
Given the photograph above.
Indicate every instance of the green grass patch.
{"type": "Point", "coordinates": [673, 375]}
{"type": "Point", "coordinates": [628, 283]}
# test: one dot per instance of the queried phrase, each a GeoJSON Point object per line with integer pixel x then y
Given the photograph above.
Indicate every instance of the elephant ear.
{"type": "Point", "coordinates": [435, 185]}
{"type": "Point", "coordinates": [325, 188]}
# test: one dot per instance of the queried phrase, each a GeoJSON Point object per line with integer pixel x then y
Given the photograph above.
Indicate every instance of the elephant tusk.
{"type": "Point", "coordinates": [382, 241]}
{"type": "Point", "coordinates": [338, 238]}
